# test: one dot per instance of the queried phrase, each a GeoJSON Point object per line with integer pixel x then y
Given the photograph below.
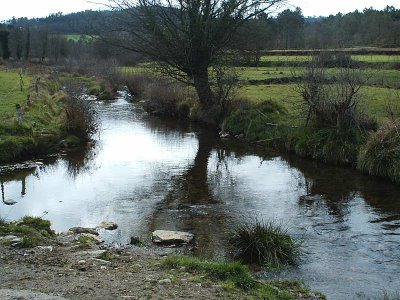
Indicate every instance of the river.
{"type": "Point", "coordinates": [146, 173]}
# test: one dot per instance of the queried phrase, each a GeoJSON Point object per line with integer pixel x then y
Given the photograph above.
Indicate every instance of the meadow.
{"type": "Point", "coordinates": [43, 119]}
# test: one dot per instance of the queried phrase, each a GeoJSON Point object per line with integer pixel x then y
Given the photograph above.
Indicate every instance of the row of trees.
{"type": "Point", "coordinates": [22, 42]}
{"type": "Point", "coordinates": [291, 30]}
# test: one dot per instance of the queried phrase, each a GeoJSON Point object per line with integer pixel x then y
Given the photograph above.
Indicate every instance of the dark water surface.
{"type": "Point", "coordinates": [147, 174]}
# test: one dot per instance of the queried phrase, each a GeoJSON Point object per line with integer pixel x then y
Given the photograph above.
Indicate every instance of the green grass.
{"type": "Point", "coordinates": [372, 100]}
{"type": "Point", "coordinates": [371, 58]}
{"type": "Point", "coordinates": [265, 243]}
{"type": "Point", "coordinates": [374, 58]}
{"type": "Point", "coordinates": [380, 156]}
{"type": "Point", "coordinates": [43, 121]}
{"type": "Point", "coordinates": [234, 275]}
{"type": "Point", "coordinates": [80, 37]}
{"type": "Point", "coordinates": [32, 230]}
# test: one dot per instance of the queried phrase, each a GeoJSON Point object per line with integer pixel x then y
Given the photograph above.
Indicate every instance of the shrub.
{"type": "Point", "coordinates": [381, 154]}
{"type": "Point", "coordinates": [82, 120]}
{"type": "Point", "coordinates": [265, 243]}
{"type": "Point", "coordinates": [137, 83]}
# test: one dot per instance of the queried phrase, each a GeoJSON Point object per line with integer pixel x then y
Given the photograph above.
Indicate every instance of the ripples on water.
{"type": "Point", "coordinates": [147, 174]}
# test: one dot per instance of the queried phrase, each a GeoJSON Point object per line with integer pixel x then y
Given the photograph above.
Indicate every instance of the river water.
{"type": "Point", "coordinates": [147, 174]}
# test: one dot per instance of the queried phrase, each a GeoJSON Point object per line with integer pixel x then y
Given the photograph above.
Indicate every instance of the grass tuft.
{"type": "Point", "coordinates": [381, 154]}
{"type": "Point", "coordinates": [265, 243]}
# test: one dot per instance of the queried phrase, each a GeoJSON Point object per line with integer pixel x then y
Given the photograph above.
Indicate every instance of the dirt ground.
{"type": "Point", "coordinates": [70, 270]}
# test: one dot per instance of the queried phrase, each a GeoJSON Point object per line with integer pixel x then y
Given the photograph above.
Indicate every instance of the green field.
{"type": "Point", "coordinates": [80, 37]}
{"type": "Point", "coordinates": [369, 58]}
{"type": "Point", "coordinates": [43, 120]}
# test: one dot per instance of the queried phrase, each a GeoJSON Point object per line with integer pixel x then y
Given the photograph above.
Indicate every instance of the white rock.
{"type": "Point", "coordinates": [45, 248]}
{"type": "Point", "coordinates": [165, 236]}
{"type": "Point", "coordinates": [11, 239]}
{"type": "Point", "coordinates": [108, 225]}
{"type": "Point", "coordinates": [165, 281]}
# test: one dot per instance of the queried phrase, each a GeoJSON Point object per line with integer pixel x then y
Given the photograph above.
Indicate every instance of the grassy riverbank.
{"type": "Point", "coordinates": [47, 120]}
{"type": "Point", "coordinates": [43, 120]}
{"type": "Point", "coordinates": [268, 109]}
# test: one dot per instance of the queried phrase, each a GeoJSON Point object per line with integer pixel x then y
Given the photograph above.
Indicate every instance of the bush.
{"type": "Point", "coordinates": [381, 154]}
{"type": "Point", "coordinates": [137, 83]}
{"type": "Point", "coordinates": [82, 120]}
{"type": "Point", "coordinates": [265, 243]}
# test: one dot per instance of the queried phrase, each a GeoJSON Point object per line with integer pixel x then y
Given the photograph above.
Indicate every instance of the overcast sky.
{"type": "Point", "coordinates": [42, 8]}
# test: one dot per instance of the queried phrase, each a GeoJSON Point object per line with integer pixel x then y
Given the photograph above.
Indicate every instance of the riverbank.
{"type": "Point", "coordinates": [78, 265]}
{"type": "Point", "coordinates": [33, 115]}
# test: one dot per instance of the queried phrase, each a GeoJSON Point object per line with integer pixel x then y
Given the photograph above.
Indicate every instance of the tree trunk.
{"type": "Point", "coordinates": [203, 88]}
{"type": "Point", "coordinates": [211, 108]}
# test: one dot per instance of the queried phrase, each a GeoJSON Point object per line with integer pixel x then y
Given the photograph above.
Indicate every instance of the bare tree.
{"type": "Point", "coordinates": [185, 37]}
{"type": "Point", "coordinates": [332, 100]}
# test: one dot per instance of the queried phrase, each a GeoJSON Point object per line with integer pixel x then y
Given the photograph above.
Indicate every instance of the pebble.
{"type": "Point", "coordinates": [165, 281]}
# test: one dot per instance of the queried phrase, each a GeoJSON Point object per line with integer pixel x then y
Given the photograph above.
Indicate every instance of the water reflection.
{"type": "Point", "coordinates": [147, 174]}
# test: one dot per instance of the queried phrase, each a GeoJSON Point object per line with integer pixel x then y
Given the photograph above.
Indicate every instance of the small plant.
{"type": "Point", "coordinates": [43, 226]}
{"type": "Point", "coordinates": [381, 155]}
{"type": "Point", "coordinates": [84, 241]}
{"type": "Point", "coordinates": [265, 243]}
{"type": "Point", "coordinates": [106, 256]}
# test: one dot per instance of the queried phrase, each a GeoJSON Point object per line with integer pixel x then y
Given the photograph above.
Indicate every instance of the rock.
{"type": "Point", "coordinates": [171, 237]}
{"type": "Point", "coordinates": [45, 248]}
{"type": "Point", "coordinates": [135, 240]}
{"type": "Point", "coordinates": [224, 135]}
{"type": "Point", "coordinates": [165, 281]}
{"type": "Point", "coordinates": [82, 262]}
{"type": "Point", "coordinates": [310, 198]}
{"type": "Point", "coordinates": [78, 230]}
{"type": "Point", "coordinates": [94, 253]}
{"type": "Point", "coordinates": [108, 225]}
{"type": "Point", "coordinates": [101, 261]}
{"type": "Point", "coordinates": [13, 239]}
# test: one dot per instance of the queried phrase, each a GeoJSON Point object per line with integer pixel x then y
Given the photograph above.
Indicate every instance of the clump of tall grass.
{"type": "Point", "coordinates": [168, 99]}
{"type": "Point", "coordinates": [82, 120]}
{"type": "Point", "coordinates": [137, 83]}
{"type": "Point", "coordinates": [329, 145]}
{"type": "Point", "coordinates": [381, 154]}
{"type": "Point", "coordinates": [265, 243]}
